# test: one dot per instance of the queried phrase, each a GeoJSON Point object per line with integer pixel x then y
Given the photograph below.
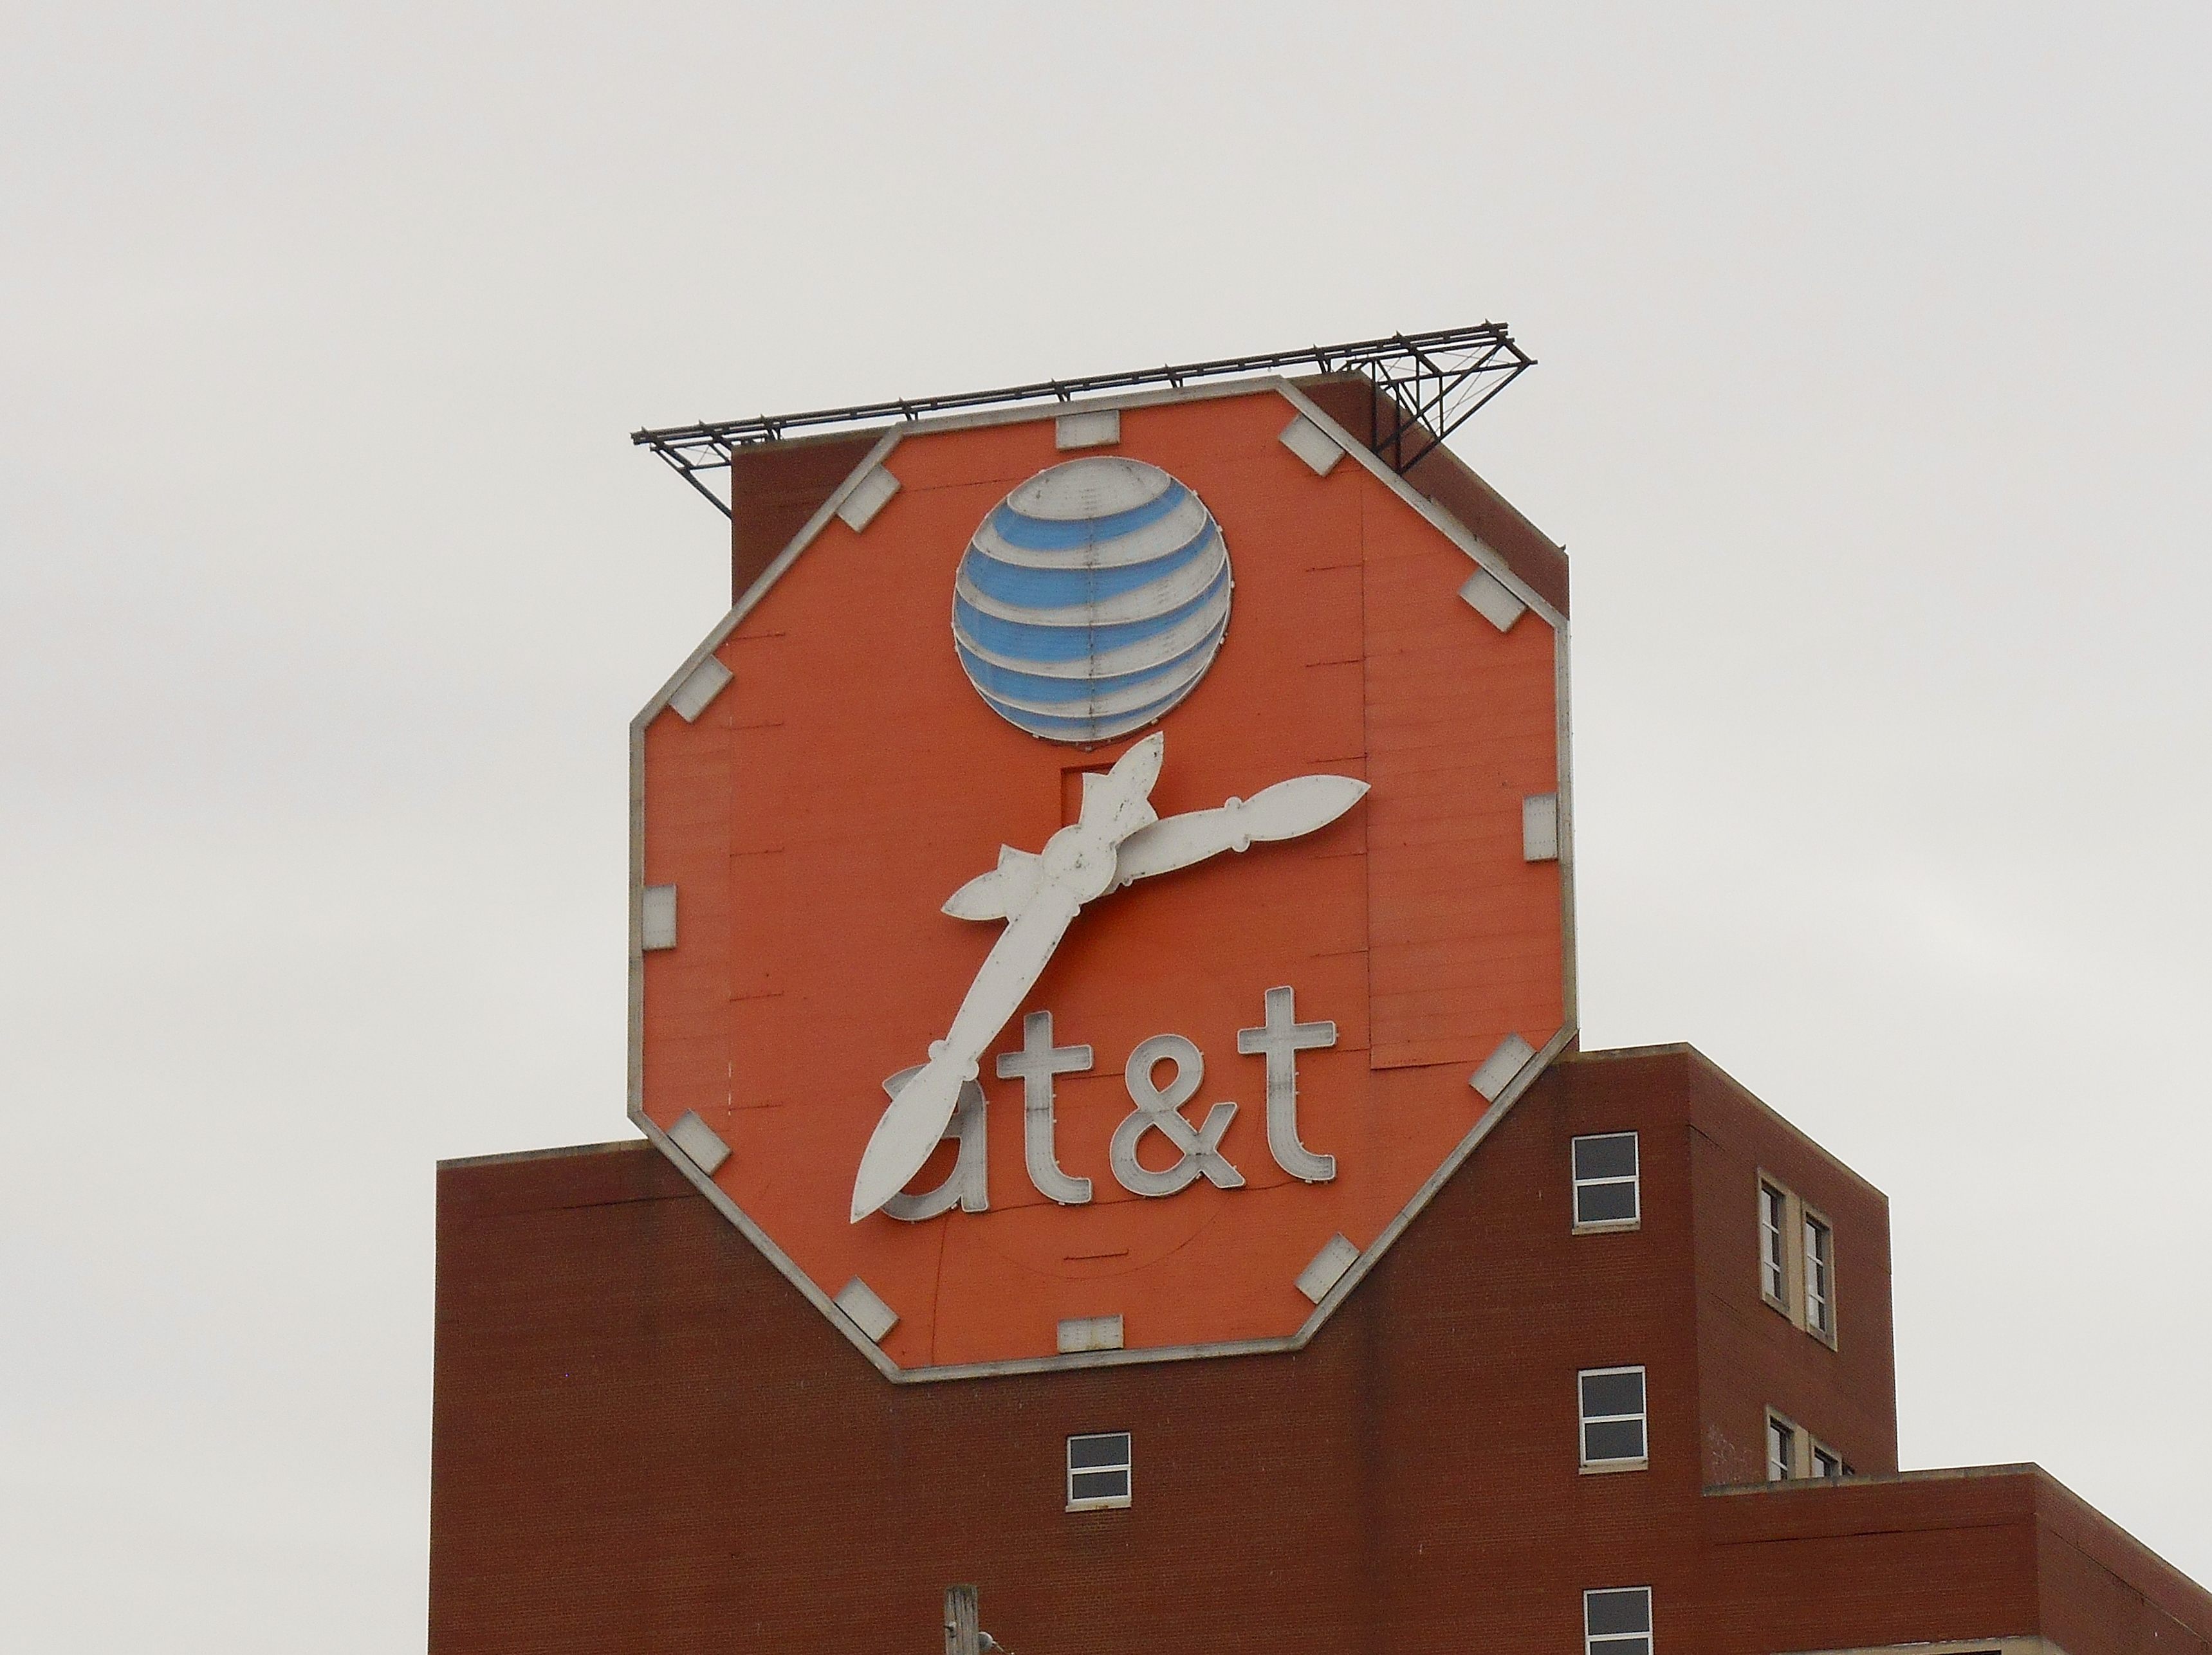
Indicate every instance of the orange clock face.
{"type": "Point", "coordinates": [1207, 1081]}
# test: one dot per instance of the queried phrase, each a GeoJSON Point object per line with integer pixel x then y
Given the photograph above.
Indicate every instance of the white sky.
{"type": "Point", "coordinates": [1873, 410]}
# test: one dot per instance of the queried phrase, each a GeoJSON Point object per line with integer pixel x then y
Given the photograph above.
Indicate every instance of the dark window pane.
{"type": "Point", "coordinates": [1628, 1610]}
{"type": "Point", "coordinates": [1636, 1646]}
{"type": "Point", "coordinates": [1613, 1157]}
{"type": "Point", "coordinates": [1612, 1393]}
{"type": "Point", "coordinates": [1601, 1203]}
{"type": "Point", "coordinates": [1614, 1439]}
{"type": "Point", "coordinates": [1098, 1485]}
{"type": "Point", "coordinates": [1110, 1450]}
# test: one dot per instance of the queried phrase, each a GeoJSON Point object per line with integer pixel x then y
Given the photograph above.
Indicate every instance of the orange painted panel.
{"type": "Point", "coordinates": [850, 778]}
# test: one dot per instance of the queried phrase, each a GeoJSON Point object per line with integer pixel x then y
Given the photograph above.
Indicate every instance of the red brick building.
{"type": "Point", "coordinates": [1593, 1351]}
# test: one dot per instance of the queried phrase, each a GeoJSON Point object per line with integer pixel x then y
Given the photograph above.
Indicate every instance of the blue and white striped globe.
{"type": "Point", "coordinates": [1091, 600]}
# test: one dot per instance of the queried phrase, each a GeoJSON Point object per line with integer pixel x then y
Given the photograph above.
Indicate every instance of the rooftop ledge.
{"type": "Point", "coordinates": [1856, 1479]}
{"type": "Point", "coordinates": [1824, 1512]}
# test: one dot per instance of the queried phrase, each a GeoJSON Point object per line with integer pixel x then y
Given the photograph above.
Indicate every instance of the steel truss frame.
{"type": "Point", "coordinates": [1433, 383]}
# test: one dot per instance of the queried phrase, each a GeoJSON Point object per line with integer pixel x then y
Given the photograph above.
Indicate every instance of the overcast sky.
{"type": "Point", "coordinates": [1872, 409]}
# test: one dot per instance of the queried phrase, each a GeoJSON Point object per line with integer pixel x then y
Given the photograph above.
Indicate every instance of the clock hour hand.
{"type": "Point", "coordinates": [1286, 810]}
{"type": "Point", "coordinates": [1077, 864]}
{"type": "Point", "coordinates": [999, 893]}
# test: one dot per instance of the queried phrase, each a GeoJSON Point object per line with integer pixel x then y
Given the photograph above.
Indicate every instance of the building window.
{"type": "Point", "coordinates": [1792, 1453]}
{"type": "Point", "coordinates": [1613, 1419]}
{"type": "Point", "coordinates": [1617, 1621]}
{"type": "Point", "coordinates": [1773, 1270]}
{"type": "Point", "coordinates": [1606, 1182]}
{"type": "Point", "coordinates": [1796, 1260]}
{"type": "Point", "coordinates": [1781, 1449]}
{"type": "Point", "coordinates": [1819, 1271]}
{"type": "Point", "coordinates": [1098, 1471]}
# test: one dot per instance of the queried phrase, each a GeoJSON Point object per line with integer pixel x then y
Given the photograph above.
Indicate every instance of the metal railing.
{"type": "Point", "coordinates": [1434, 381]}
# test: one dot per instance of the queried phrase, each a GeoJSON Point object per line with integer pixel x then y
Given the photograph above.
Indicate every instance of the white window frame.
{"type": "Point", "coordinates": [1806, 1243]}
{"type": "Point", "coordinates": [1583, 1421]}
{"type": "Point", "coordinates": [1793, 1447]}
{"type": "Point", "coordinates": [1612, 1643]}
{"type": "Point", "coordinates": [1804, 1452]}
{"type": "Point", "coordinates": [1820, 1244]}
{"type": "Point", "coordinates": [1126, 1467]}
{"type": "Point", "coordinates": [1774, 1244]}
{"type": "Point", "coordinates": [1577, 1183]}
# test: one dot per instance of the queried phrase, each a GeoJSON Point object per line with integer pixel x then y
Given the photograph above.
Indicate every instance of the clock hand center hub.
{"type": "Point", "coordinates": [1080, 859]}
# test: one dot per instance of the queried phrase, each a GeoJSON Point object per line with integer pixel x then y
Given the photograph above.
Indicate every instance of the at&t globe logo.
{"type": "Point", "coordinates": [1091, 600]}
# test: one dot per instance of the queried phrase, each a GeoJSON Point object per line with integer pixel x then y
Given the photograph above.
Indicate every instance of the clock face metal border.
{"type": "Point", "coordinates": [1232, 738]}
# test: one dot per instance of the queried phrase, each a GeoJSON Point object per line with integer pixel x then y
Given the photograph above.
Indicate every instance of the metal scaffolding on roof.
{"type": "Point", "coordinates": [1435, 382]}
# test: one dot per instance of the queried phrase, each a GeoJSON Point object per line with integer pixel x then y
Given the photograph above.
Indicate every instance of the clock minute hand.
{"type": "Point", "coordinates": [916, 1117]}
{"type": "Point", "coordinates": [1288, 809]}
{"type": "Point", "coordinates": [1078, 864]}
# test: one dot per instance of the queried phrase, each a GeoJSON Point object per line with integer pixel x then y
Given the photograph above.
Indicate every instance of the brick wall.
{"type": "Point", "coordinates": [774, 488]}
{"type": "Point", "coordinates": [645, 1439]}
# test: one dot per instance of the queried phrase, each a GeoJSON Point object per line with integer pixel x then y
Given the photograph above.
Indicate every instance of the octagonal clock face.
{"type": "Point", "coordinates": [1086, 900]}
